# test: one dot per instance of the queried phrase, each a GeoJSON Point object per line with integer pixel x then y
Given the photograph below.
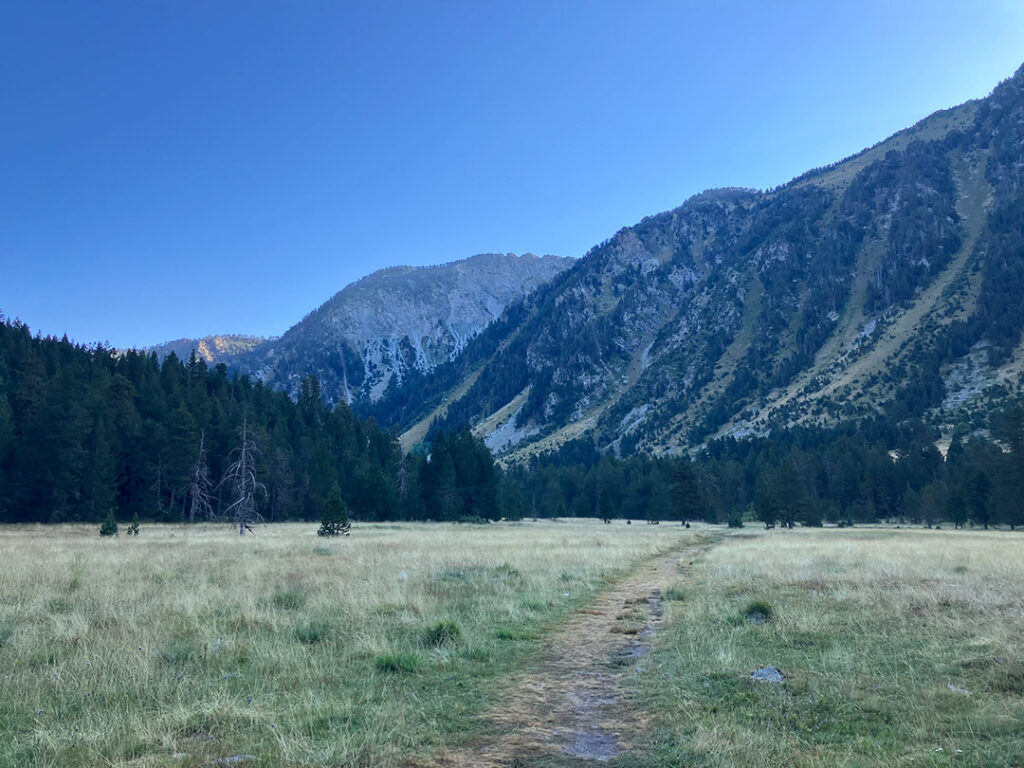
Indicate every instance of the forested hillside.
{"type": "Point", "coordinates": [85, 430]}
{"type": "Point", "coordinates": [889, 283]}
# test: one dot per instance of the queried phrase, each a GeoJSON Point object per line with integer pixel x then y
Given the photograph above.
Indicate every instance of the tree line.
{"type": "Point", "coordinates": [868, 471]}
{"type": "Point", "coordinates": [86, 431]}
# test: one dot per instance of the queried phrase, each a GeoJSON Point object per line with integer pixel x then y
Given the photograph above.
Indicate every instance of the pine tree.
{"type": "Point", "coordinates": [334, 521]}
{"type": "Point", "coordinates": [133, 529]}
{"type": "Point", "coordinates": [685, 493]}
{"type": "Point", "coordinates": [109, 527]}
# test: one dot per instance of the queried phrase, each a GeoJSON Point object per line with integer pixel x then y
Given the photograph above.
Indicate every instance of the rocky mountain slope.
{"type": "Point", "coordinates": [891, 281]}
{"type": "Point", "coordinates": [213, 349]}
{"type": "Point", "coordinates": [384, 326]}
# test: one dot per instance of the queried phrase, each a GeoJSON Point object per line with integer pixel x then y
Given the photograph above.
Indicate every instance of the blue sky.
{"type": "Point", "coordinates": [173, 168]}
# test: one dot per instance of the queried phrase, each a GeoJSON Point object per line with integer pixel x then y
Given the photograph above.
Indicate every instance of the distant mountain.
{"type": "Point", "coordinates": [213, 349]}
{"type": "Point", "coordinates": [890, 282]}
{"type": "Point", "coordinates": [384, 326]}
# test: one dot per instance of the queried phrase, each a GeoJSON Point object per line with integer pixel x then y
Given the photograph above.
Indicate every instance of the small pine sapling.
{"type": "Point", "coordinates": [133, 529]}
{"type": "Point", "coordinates": [335, 520]}
{"type": "Point", "coordinates": [109, 527]}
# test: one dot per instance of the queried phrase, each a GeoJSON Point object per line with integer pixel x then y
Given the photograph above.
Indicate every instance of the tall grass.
{"type": "Point", "coordinates": [899, 648]}
{"type": "Point", "coordinates": [190, 644]}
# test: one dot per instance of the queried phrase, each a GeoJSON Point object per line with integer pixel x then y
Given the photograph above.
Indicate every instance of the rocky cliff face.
{"type": "Point", "coordinates": [891, 281]}
{"type": "Point", "coordinates": [397, 320]}
{"type": "Point", "coordinates": [380, 328]}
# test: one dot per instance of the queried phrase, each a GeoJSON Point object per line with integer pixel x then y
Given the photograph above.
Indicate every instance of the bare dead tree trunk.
{"type": "Point", "coordinates": [241, 478]}
{"type": "Point", "coordinates": [199, 486]}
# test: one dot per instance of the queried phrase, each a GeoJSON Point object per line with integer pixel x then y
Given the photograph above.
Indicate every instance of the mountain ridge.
{"type": "Point", "coordinates": [382, 326]}
{"type": "Point", "coordinates": [861, 286]}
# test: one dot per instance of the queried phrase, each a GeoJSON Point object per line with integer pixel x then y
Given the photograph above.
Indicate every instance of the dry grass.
{"type": "Point", "coordinates": [187, 645]}
{"type": "Point", "coordinates": [899, 648]}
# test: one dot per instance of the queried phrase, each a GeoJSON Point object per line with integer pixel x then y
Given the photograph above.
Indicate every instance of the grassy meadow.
{"type": "Point", "coordinates": [187, 645]}
{"type": "Point", "coordinates": [899, 648]}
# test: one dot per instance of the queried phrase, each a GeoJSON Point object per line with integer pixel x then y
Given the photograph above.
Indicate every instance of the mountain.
{"type": "Point", "coordinates": [213, 349]}
{"type": "Point", "coordinates": [890, 282]}
{"type": "Point", "coordinates": [384, 326]}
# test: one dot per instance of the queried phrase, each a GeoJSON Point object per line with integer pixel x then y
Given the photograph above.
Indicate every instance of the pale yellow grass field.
{"type": "Point", "coordinates": [190, 644]}
{"type": "Point", "coordinates": [900, 647]}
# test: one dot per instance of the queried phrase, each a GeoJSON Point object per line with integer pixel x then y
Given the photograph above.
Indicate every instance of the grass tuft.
{"type": "Point", "coordinates": [312, 632]}
{"type": "Point", "coordinates": [6, 631]}
{"type": "Point", "coordinates": [514, 633]}
{"type": "Point", "coordinates": [758, 612]}
{"type": "Point", "coordinates": [442, 633]}
{"type": "Point", "coordinates": [397, 662]}
{"type": "Point", "coordinates": [291, 599]}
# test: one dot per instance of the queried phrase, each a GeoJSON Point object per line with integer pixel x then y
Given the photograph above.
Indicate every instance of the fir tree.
{"type": "Point", "coordinates": [334, 521]}
{"type": "Point", "coordinates": [109, 527]}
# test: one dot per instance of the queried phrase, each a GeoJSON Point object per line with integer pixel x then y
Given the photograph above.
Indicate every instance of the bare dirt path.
{"type": "Point", "coordinates": [571, 709]}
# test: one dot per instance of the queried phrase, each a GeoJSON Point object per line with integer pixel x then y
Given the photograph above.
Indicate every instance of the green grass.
{"type": "Point", "coordinates": [366, 652]}
{"type": "Point", "coordinates": [870, 632]}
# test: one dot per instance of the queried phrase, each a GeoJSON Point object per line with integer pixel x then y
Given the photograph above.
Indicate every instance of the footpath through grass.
{"type": "Point", "coordinates": [899, 648]}
{"type": "Point", "coordinates": [185, 646]}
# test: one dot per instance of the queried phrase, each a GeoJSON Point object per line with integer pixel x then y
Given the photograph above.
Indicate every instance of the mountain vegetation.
{"type": "Point", "coordinates": [889, 284]}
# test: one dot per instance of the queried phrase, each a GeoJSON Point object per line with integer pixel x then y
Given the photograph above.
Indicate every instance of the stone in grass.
{"type": "Point", "coordinates": [767, 675]}
{"type": "Point", "coordinates": [233, 760]}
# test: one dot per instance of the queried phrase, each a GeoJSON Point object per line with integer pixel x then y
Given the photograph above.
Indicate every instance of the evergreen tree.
{"type": "Point", "coordinates": [334, 521]}
{"type": "Point", "coordinates": [685, 493]}
{"type": "Point", "coordinates": [109, 526]}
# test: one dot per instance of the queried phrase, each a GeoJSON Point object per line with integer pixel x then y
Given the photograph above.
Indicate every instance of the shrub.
{"type": "Point", "coordinates": [442, 633]}
{"type": "Point", "coordinates": [133, 529]}
{"type": "Point", "coordinates": [473, 520]}
{"type": "Point", "coordinates": [335, 520]}
{"type": "Point", "coordinates": [397, 662]}
{"type": "Point", "coordinates": [109, 527]}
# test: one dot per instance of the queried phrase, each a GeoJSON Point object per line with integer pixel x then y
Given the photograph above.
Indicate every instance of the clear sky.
{"type": "Point", "coordinates": [173, 168]}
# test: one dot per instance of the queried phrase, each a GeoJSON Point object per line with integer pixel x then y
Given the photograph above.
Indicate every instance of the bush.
{"type": "Point", "coordinates": [133, 529]}
{"type": "Point", "coordinates": [473, 520]}
{"type": "Point", "coordinates": [109, 527]}
{"type": "Point", "coordinates": [397, 662]}
{"type": "Point", "coordinates": [335, 520]}
{"type": "Point", "coordinates": [442, 633]}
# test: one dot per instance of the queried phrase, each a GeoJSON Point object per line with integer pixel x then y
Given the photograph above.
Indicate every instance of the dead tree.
{"type": "Point", "coordinates": [198, 491]}
{"type": "Point", "coordinates": [241, 479]}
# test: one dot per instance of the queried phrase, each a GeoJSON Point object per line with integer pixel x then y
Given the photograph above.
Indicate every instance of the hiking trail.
{"type": "Point", "coordinates": [572, 709]}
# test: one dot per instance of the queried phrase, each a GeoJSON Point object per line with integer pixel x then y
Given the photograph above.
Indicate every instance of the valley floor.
{"type": "Point", "coordinates": [541, 644]}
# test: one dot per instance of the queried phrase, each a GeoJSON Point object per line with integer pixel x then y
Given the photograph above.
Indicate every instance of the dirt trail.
{"type": "Point", "coordinates": [571, 709]}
